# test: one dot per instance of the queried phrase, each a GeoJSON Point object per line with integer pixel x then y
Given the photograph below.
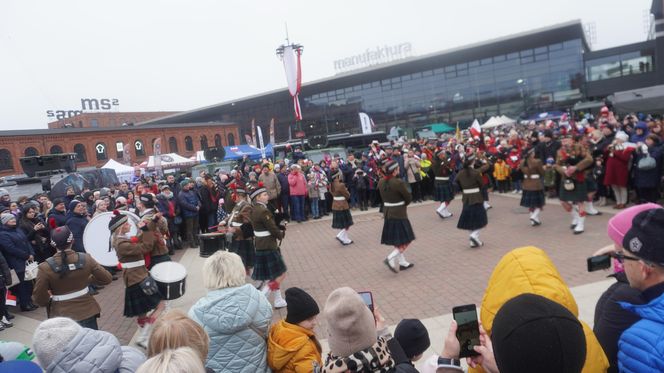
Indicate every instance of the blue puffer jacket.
{"type": "Point", "coordinates": [76, 224]}
{"type": "Point", "coordinates": [188, 201]}
{"type": "Point", "coordinates": [237, 321]}
{"type": "Point", "coordinates": [641, 347]}
{"type": "Point", "coordinates": [15, 247]}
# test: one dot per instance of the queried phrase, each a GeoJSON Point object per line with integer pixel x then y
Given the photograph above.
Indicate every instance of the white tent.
{"type": "Point", "coordinates": [492, 122]}
{"type": "Point", "coordinates": [170, 160]}
{"type": "Point", "coordinates": [506, 120]}
{"type": "Point", "coordinates": [122, 171]}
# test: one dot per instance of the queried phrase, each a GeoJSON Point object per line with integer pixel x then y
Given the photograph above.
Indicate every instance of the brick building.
{"type": "Point", "coordinates": [95, 146]}
{"type": "Point", "coordinates": [108, 119]}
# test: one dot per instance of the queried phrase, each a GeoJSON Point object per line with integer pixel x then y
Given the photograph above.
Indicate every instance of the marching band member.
{"type": "Point", "coordinates": [140, 290]}
{"type": "Point", "coordinates": [62, 282]}
{"type": "Point", "coordinates": [473, 216]}
{"type": "Point", "coordinates": [157, 225]}
{"type": "Point", "coordinates": [341, 217]}
{"type": "Point", "coordinates": [443, 192]}
{"type": "Point", "coordinates": [533, 189]}
{"type": "Point", "coordinates": [397, 230]}
{"type": "Point", "coordinates": [239, 226]}
{"type": "Point", "coordinates": [572, 161]}
{"type": "Point", "coordinates": [269, 266]}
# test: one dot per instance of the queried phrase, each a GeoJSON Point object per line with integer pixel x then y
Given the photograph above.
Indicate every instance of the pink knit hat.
{"type": "Point", "coordinates": [620, 223]}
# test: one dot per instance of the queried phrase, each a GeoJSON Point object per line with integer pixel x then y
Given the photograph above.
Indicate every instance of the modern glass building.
{"type": "Point", "coordinates": [522, 74]}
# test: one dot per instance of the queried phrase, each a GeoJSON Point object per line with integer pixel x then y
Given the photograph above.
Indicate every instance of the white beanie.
{"type": "Point", "coordinates": [52, 336]}
{"type": "Point", "coordinates": [622, 136]}
{"type": "Point", "coordinates": [351, 326]}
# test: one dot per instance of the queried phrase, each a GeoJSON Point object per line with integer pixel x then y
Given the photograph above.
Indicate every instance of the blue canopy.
{"type": "Point", "coordinates": [239, 151]}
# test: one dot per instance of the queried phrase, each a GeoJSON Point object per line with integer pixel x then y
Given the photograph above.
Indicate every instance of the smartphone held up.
{"type": "Point", "coordinates": [468, 329]}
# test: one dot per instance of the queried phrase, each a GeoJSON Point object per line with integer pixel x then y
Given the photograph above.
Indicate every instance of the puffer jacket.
{"type": "Point", "coordinates": [15, 247]}
{"type": "Point", "coordinates": [237, 320]}
{"type": "Point", "coordinates": [641, 347]}
{"type": "Point", "coordinates": [188, 201]}
{"type": "Point", "coordinates": [529, 270]}
{"type": "Point", "coordinates": [96, 351]}
{"type": "Point", "coordinates": [292, 348]}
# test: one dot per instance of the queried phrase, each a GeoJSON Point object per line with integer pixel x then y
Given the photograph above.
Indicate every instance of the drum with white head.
{"type": "Point", "coordinates": [96, 237]}
{"type": "Point", "coordinates": [170, 278]}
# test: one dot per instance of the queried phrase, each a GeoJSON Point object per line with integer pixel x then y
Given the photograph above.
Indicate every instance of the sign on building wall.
{"type": "Point", "coordinates": [88, 105]}
{"type": "Point", "coordinates": [374, 56]}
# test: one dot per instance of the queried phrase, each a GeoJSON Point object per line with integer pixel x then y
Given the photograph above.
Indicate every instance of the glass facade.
{"type": "Point", "coordinates": [525, 81]}
{"type": "Point", "coordinates": [620, 65]}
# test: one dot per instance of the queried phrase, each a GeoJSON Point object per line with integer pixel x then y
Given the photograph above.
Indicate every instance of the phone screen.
{"type": "Point", "coordinates": [468, 329]}
{"type": "Point", "coordinates": [595, 263]}
{"type": "Point", "coordinates": [368, 299]}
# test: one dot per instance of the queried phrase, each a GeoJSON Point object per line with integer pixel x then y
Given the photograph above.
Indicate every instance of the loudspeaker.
{"type": "Point", "coordinates": [215, 153]}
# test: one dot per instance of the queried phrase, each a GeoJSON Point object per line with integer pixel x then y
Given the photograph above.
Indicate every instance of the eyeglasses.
{"type": "Point", "coordinates": [621, 257]}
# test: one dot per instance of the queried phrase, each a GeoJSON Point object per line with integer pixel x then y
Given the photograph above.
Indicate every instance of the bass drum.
{"type": "Point", "coordinates": [97, 236]}
{"type": "Point", "coordinates": [170, 278]}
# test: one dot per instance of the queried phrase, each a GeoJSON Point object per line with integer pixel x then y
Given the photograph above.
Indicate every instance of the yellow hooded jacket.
{"type": "Point", "coordinates": [529, 270]}
{"type": "Point", "coordinates": [292, 348]}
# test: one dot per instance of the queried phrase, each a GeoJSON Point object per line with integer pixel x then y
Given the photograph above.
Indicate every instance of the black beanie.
{"type": "Point", "coordinates": [301, 306]}
{"type": "Point", "coordinates": [643, 239]}
{"type": "Point", "coordinates": [147, 200]}
{"type": "Point", "coordinates": [412, 336]}
{"type": "Point", "coordinates": [535, 334]}
{"type": "Point", "coordinates": [58, 201]}
{"type": "Point", "coordinates": [117, 220]}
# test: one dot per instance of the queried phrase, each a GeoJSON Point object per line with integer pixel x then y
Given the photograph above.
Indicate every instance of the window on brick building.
{"type": "Point", "coordinates": [188, 144]}
{"type": "Point", "coordinates": [217, 140]}
{"type": "Point", "coordinates": [204, 144]}
{"type": "Point", "coordinates": [56, 149]}
{"type": "Point", "coordinates": [173, 145]}
{"type": "Point", "coordinates": [100, 151]}
{"type": "Point", "coordinates": [140, 148]}
{"type": "Point", "coordinates": [31, 152]}
{"type": "Point", "coordinates": [94, 123]}
{"type": "Point", "coordinates": [119, 149]}
{"type": "Point", "coordinates": [231, 139]}
{"type": "Point", "coordinates": [79, 149]}
{"type": "Point", "coordinates": [6, 160]}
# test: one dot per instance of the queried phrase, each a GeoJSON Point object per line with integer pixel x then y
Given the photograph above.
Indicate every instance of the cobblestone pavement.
{"type": "Point", "coordinates": [447, 272]}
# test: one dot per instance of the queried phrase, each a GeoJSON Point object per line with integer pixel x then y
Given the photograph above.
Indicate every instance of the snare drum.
{"type": "Point", "coordinates": [211, 243]}
{"type": "Point", "coordinates": [170, 278]}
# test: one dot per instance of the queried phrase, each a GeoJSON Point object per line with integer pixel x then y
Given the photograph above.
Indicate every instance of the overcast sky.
{"type": "Point", "coordinates": [179, 55]}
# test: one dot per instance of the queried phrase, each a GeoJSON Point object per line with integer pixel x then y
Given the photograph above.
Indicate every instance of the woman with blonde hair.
{"type": "Point", "coordinates": [175, 330]}
{"type": "Point", "coordinates": [235, 315]}
{"type": "Point", "coordinates": [181, 360]}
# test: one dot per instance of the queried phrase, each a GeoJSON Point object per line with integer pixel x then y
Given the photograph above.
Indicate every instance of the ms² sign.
{"type": "Point", "coordinates": [87, 105]}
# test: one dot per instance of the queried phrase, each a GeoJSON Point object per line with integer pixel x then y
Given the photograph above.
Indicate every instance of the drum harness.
{"type": "Point", "coordinates": [57, 268]}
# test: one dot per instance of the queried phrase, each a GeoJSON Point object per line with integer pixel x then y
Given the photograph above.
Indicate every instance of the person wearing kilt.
{"type": "Point", "coordinates": [482, 166]}
{"type": "Point", "coordinates": [239, 226]}
{"type": "Point", "coordinates": [591, 188]}
{"type": "Point", "coordinates": [131, 252]}
{"type": "Point", "coordinates": [473, 215]}
{"type": "Point", "coordinates": [269, 266]}
{"type": "Point", "coordinates": [533, 188]}
{"type": "Point", "coordinates": [572, 162]}
{"type": "Point", "coordinates": [443, 191]}
{"type": "Point", "coordinates": [341, 217]}
{"type": "Point", "coordinates": [157, 225]}
{"type": "Point", "coordinates": [397, 230]}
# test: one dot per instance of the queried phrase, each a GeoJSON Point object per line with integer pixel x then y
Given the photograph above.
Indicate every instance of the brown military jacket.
{"type": "Point", "coordinates": [339, 189]}
{"type": "Point", "coordinates": [394, 190]}
{"type": "Point", "coordinates": [468, 179]}
{"type": "Point", "coordinates": [79, 308]}
{"type": "Point", "coordinates": [159, 229]}
{"type": "Point", "coordinates": [242, 221]}
{"type": "Point", "coordinates": [129, 251]}
{"type": "Point", "coordinates": [533, 174]}
{"type": "Point", "coordinates": [441, 168]}
{"type": "Point", "coordinates": [584, 161]}
{"type": "Point", "coordinates": [263, 221]}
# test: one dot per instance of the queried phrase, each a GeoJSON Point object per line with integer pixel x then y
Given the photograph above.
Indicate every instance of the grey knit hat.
{"type": "Point", "coordinates": [351, 325]}
{"type": "Point", "coordinates": [5, 218]}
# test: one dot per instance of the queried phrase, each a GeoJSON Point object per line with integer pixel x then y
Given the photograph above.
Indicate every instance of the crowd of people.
{"type": "Point", "coordinates": [44, 260]}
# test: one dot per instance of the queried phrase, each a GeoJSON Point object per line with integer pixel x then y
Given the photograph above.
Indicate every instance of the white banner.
{"type": "Point", "coordinates": [291, 68]}
{"type": "Point", "coordinates": [366, 123]}
{"type": "Point", "coordinates": [260, 141]}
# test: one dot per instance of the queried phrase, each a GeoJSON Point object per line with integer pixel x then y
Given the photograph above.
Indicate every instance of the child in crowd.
{"type": "Point", "coordinates": [312, 191]}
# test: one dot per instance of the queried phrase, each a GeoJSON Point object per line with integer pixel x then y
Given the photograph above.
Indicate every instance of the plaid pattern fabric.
{"type": "Point", "coordinates": [443, 191]}
{"type": "Point", "coordinates": [473, 217]}
{"type": "Point", "coordinates": [532, 198]}
{"type": "Point", "coordinates": [245, 249]}
{"type": "Point", "coordinates": [397, 232]}
{"type": "Point", "coordinates": [269, 265]}
{"type": "Point", "coordinates": [138, 303]}
{"type": "Point", "coordinates": [341, 219]}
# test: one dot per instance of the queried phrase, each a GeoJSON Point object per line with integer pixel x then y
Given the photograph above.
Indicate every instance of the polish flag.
{"type": "Point", "coordinates": [475, 129]}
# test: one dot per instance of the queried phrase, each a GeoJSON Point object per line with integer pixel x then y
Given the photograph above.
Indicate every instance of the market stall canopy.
{"type": "Point", "coordinates": [492, 123]}
{"type": "Point", "coordinates": [441, 128]}
{"type": "Point", "coordinates": [643, 100]}
{"type": "Point", "coordinates": [170, 160]}
{"type": "Point", "coordinates": [122, 171]}
{"type": "Point", "coordinates": [239, 151]}
{"type": "Point", "coordinates": [506, 120]}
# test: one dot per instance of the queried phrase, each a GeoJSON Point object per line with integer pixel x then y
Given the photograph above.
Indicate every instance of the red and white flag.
{"type": "Point", "coordinates": [475, 129]}
{"type": "Point", "coordinates": [293, 68]}
{"type": "Point", "coordinates": [272, 131]}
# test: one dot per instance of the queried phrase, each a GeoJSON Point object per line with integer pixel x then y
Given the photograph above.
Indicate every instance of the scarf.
{"type": "Point", "coordinates": [375, 359]}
